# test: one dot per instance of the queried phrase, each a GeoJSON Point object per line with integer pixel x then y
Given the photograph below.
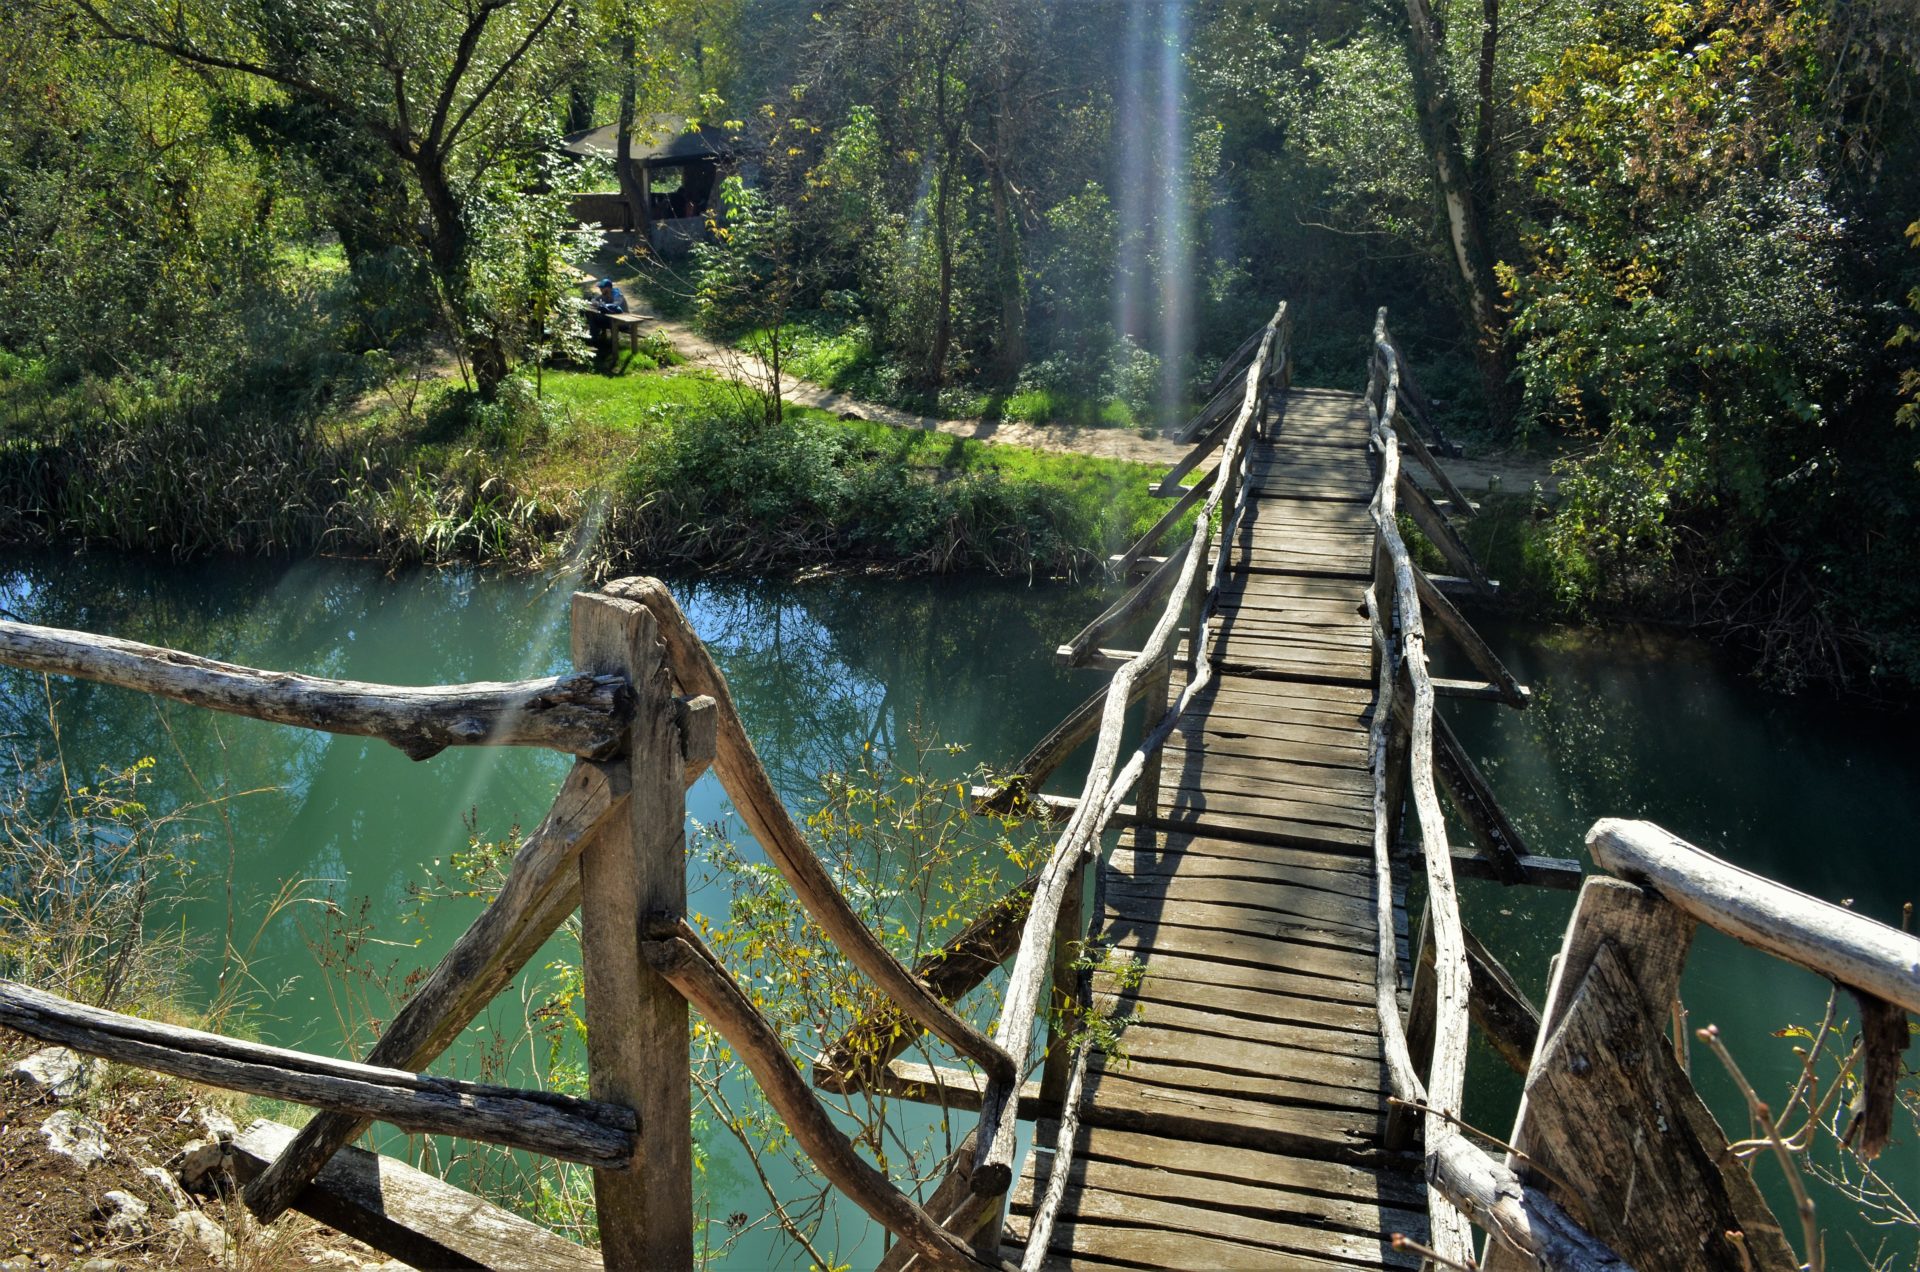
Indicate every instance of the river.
{"type": "Point", "coordinates": [1630, 724]}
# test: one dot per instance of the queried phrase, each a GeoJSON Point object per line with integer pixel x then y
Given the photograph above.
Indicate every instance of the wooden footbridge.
{"type": "Point", "coordinates": [1291, 1061]}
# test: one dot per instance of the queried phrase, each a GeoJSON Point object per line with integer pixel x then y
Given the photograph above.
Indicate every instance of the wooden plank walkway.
{"type": "Point", "coordinates": [1243, 1127]}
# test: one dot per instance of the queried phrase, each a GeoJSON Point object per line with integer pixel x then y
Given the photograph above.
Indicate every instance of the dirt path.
{"type": "Point", "coordinates": [1510, 474]}
{"type": "Point", "coordinates": [1105, 443]}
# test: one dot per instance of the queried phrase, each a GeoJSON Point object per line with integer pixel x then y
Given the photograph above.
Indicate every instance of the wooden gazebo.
{"type": "Point", "coordinates": [676, 172]}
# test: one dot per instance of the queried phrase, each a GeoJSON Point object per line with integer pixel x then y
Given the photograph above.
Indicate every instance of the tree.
{"type": "Point", "coordinates": [445, 88]}
{"type": "Point", "coordinates": [750, 277]}
{"type": "Point", "coordinates": [1461, 197]}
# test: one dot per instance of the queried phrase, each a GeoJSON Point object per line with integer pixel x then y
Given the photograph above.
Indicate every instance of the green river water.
{"type": "Point", "coordinates": [1819, 795]}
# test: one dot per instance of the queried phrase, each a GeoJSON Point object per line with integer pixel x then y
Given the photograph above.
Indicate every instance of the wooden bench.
{"type": "Point", "coordinates": [629, 324]}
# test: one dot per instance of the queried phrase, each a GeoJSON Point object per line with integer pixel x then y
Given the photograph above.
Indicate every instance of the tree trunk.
{"type": "Point", "coordinates": [1483, 139]}
{"type": "Point", "coordinates": [1010, 344]}
{"type": "Point", "coordinates": [943, 247]}
{"type": "Point", "coordinates": [446, 231]}
{"type": "Point", "coordinates": [1439, 128]}
{"type": "Point", "coordinates": [633, 191]}
{"type": "Point", "coordinates": [579, 107]}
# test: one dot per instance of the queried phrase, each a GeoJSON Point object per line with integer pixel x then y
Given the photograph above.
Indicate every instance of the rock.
{"type": "Point", "coordinates": [123, 1215]}
{"type": "Point", "coordinates": [202, 1167]}
{"type": "Point", "coordinates": [166, 1188]}
{"type": "Point", "coordinates": [18, 1263]}
{"type": "Point", "coordinates": [99, 1265]}
{"type": "Point", "coordinates": [195, 1230]}
{"type": "Point", "coordinates": [218, 1126]}
{"type": "Point", "coordinates": [54, 1073]}
{"type": "Point", "coordinates": [79, 1139]}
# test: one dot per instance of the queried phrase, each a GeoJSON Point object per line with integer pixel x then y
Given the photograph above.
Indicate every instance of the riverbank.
{"type": "Point", "coordinates": [653, 465]}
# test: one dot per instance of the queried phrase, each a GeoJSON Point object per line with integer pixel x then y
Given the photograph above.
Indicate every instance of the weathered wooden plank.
{"type": "Point", "coordinates": [1160, 935]}
{"type": "Point", "coordinates": [581, 714]}
{"type": "Point", "coordinates": [1094, 1245]}
{"type": "Point", "coordinates": [950, 1088]}
{"type": "Point", "coordinates": [1315, 783]}
{"type": "Point", "coordinates": [1171, 966]}
{"type": "Point", "coordinates": [1329, 927]}
{"type": "Point", "coordinates": [1146, 865]}
{"type": "Point", "coordinates": [1298, 755]}
{"type": "Point", "coordinates": [1229, 801]}
{"type": "Point", "coordinates": [573, 1130]}
{"type": "Point", "coordinates": [1191, 1019]}
{"type": "Point", "coordinates": [1229, 719]}
{"type": "Point", "coordinates": [1375, 1187]}
{"type": "Point", "coordinates": [410, 1215]}
{"type": "Point", "coordinates": [1269, 829]}
{"type": "Point", "coordinates": [1337, 1134]}
{"type": "Point", "coordinates": [1265, 1198]}
{"type": "Point", "coordinates": [1168, 844]}
{"type": "Point", "coordinates": [1238, 778]}
{"type": "Point", "coordinates": [1647, 1169]}
{"type": "Point", "coordinates": [1328, 696]}
{"type": "Point", "coordinates": [1268, 1087]}
{"type": "Point", "coordinates": [1314, 904]}
{"type": "Point", "coordinates": [1281, 1239]}
{"type": "Point", "coordinates": [1285, 666]}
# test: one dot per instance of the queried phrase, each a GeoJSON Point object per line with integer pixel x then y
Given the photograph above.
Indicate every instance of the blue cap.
{"type": "Point", "coordinates": [606, 282]}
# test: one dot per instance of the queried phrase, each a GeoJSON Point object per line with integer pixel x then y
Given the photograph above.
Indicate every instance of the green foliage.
{"type": "Point", "coordinates": [713, 481]}
{"type": "Point", "coordinates": [898, 834]}
{"type": "Point", "coordinates": [1908, 412]}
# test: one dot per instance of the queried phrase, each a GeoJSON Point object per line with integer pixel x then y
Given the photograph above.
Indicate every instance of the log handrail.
{"type": "Point", "coordinates": [579, 714]}
{"type": "Point", "coordinates": [1849, 948]}
{"type": "Point", "coordinates": [1465, 1183]}
{"type": "Point", "coordinates": [1104, 787]}
{"type": "Point", "coordinates": [1132, 603]}
{"type": "Point", "coordinates": [587, 1131]}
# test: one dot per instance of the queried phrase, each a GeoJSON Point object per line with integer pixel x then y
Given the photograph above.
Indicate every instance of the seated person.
{"type": "Point", "coordinates": [607, 301]}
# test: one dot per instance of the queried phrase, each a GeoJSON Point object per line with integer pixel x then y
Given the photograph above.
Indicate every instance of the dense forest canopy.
{"type": "Point", "coordinates": [1672, 243]}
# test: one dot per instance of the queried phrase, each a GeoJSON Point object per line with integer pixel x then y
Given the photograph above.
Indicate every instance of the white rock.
{"type": "Point", "coordinates": [217, 1126]}
{"type": "Point", "coordinates": [164, 1186]}
{"type": "Point", "coordinates": [124, 1215]}
{"type": "Point", "coordinates": [203, 1234]}
{"type": "Point", "coordinates": [80, 1139]}
{"type": "Point", "coordinates": [54, 1072]}
{"type": "Point", "coordinates": [201, 1166]}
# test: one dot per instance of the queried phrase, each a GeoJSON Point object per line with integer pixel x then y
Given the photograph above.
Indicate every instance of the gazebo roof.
{"type": "Point", "coordinates": [660, 140]}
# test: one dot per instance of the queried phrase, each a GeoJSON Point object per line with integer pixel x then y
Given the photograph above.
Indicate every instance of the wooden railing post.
{"type": "Point", "coordinates": [637, 1029]}
{"type": "Point", "coordinates": [1157, 698]}
{"type": "Point", "coordinates": [1069, 938]}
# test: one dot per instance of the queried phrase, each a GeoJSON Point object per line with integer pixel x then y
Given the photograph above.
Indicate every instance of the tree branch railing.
{"type": "Point", "coordinates": [1464, 1183]}
{"type": "Point", "coordinates": [1190, 593]}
